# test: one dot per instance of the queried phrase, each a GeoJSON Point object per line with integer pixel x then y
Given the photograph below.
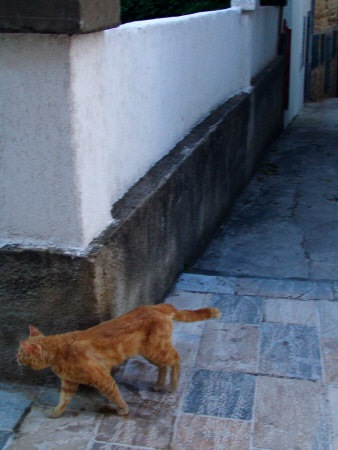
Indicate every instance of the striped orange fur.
{"type": "Point", "coordinates": [87, 357]}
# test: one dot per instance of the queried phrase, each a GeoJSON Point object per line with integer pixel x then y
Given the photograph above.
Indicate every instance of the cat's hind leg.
{"type": "Point", "coordinates": [68, 389]}
{"type": "Point", "coordinates": [164, 358]}
{"type": "Point", "coordinates": [162, 377]}
{"type": "Point", "coordinates": [175, 376]}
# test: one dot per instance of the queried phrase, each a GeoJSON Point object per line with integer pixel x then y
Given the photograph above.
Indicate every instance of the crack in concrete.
{"type": "Point", "coordinates": [292, 216]}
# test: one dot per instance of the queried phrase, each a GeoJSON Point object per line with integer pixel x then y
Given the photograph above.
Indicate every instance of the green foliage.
{"type": "Point", "coordinates": [152, 9]}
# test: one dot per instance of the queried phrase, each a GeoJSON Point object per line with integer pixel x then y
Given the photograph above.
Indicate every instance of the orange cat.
{"type": "Point", "coordinates": [87, 357]}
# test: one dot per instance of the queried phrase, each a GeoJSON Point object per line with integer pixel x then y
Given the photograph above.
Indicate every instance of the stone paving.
{"type": "Point", "coordinates": [263, 376]}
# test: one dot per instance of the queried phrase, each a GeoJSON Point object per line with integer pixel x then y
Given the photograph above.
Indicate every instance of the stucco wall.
{"type": "Point", "coordinates": [295, 14]}
{"type": "Point", "coordinates": [164, 222]}
{"type": "Point", "coordinates": [264, 38]}
{"type": "Point", "coordinates": [87, 116]}
{"type": "Point", "coordinates": [38, 194]}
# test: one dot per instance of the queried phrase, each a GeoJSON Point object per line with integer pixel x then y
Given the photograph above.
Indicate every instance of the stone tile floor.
{"type": "Point", "coordinates": [265, 375]}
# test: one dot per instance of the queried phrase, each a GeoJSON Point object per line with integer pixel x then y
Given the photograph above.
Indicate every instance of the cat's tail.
{"type": "Point", "coordinates": [186, 315]}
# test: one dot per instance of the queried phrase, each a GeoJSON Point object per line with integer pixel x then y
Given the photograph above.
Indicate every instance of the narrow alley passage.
{"type": "Point", "coordinates": [263, 376]}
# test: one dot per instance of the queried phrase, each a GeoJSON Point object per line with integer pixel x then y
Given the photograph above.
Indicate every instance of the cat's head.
{"type": "Point", "coordinates": [31, 351]}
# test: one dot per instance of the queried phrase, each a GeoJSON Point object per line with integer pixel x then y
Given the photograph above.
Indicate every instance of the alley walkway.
{"type": "Point", "coordinates": [265, 375]}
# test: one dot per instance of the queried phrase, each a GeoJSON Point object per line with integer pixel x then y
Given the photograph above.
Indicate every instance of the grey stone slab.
{"type": "Point", "coordinates": [140, 369]}
{"type": "Point", "coordinates": [335, 290]}
{"type": "Point", "coordinates": [71, 431]}
{"type": "Point", "coordinates": [237, 309]}
{"type": "Point", "coordinates": [189, 300]}
{"type": "Point", "coordinates": [289, 351]}
{"type": "Point", "coordinates": [136, 387]}
{"type": "Point", "coordinates": [330, 359]}
{"type": "Point", "coordinates": [290, 414]}
{"type": "Point", "coordinates": [13, 405]}
{"type": "Point", "coordinates": [88, 400]}
{"type": "Point", "coordinates": [234, 347]}
{"type": "Point", "coordinates": [328, 317]}
{"type": "Point", "coordinates": [28, 390]}
{"type": "Point", "coordinates": [333, 410]}
{"type": "Point", "coordinates": [147, 425]}
{"type": "Point", "coordinates": [220, 394]}
{"type": "Point", "coordinates": [187, 347]}
{"type": "Point", "coordinates": [291, 311]}
{"type": "Point", "coordinates": [206, 283]}
{"type": "Point", "coordinates": [301, 290]}
{"type": "Point", "coordinates": [4, 436]}
{"type": "Point", "coordinates": [105, 446]}
{"type": "Point", "coordinates": [324, 266]}
{"type": "Point", "coordinates": [253, 250]}
{"type": "Point", "coordinates": [209, 433]}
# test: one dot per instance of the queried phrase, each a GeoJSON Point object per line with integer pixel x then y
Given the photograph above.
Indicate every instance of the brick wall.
{"type": "Point", "coordinates": [325, 14]}
{"type": "Point", "coordinates": [324, 73]}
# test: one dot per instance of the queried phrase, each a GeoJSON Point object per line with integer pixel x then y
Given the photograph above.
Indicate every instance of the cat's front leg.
{"type": "Point", "coordinates": [106, 384]}
{"type": "Point", "coordinates": [68, 389]}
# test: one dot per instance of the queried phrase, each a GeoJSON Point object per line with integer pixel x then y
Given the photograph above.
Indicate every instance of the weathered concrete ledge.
{"type": "Point", "coordinates": [162, 224]}
{"type": "Point", "coordinates": [58, 16]}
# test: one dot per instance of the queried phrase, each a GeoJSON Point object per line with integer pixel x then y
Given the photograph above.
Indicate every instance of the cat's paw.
{"type": "Point", "coordinates": [172, 389]}
{"type": "Point", "coordinates": [158, 387]}
{"type": "Point", "coordinates": [123, 411]}
{"type": "Point", "coordinates": [54, 413]}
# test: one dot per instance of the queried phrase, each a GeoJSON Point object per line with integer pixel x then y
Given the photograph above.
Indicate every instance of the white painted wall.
{"type": "Point", "coordinates": [90, 114]}
{"type": "Point", "coordinates": [295, 13]}
{"type": "Point", "coordinates": [264, 37]}
{"type": "Point", "coordinates": [39, 202]}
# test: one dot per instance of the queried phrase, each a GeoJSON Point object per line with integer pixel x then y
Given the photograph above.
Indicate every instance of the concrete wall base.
{"type": "Point", "coordinates": [162, 224]}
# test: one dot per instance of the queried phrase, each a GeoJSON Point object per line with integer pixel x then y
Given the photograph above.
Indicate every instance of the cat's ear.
{"type": "Point", "coordinates": [34, 331]}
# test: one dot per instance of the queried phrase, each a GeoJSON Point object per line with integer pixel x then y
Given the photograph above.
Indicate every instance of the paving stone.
{"type": "Point", "coordinates": [29, 391]}
{"type": "Point", "coordinates": [220, 394]}
{"type": "Point", "coordinates": [189, 300]}
{"type": "Point", "coordinates": [290, 414]}
{"type": "Point", "coordinates": [323, 267]}
{"type": "Point", "coordinates": [302, 290]}
{"type": "Point", "coordinates": [335, 290]}
{"type": "Point", "coordinates": [291, 311]}
{"type": "Point", "coordinates": [330, 359]}
{"type": "Point", "coordinates": [71, 431]}
{"type": "Point", "coordinates": [201, 432]}
{"type": "Point", "coordinates": [237, 309]}
{"type": "Point", "coordinates": [234, 347]}
{"type": "Point", "coordinates": [187, 347]}
{"type": "Point", "coordinates": [13, 405]}
{"type": "Point", "coordinates": [205, 283]}
{"type": "Point", "coordinates": [4, 436]}
{"type": "Point", "coordinates": [146, 426]}
{"type": "Point", "coordinates": [290, 351]}
{"type": "Point", "coordinates": [328, 316]}
{"type": "Point", "coordinates": [105, 446]}
{"type": "Point", "coordinates": [333, 406]}
{"type": "Point", "coordinates": [251, 247]}
{"type": "Point", "coordinates": [139, 368]}
{"type": "Point", "coordinates": [139, 393]}
{"type": "Point", "coordinates": [87, 400]}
